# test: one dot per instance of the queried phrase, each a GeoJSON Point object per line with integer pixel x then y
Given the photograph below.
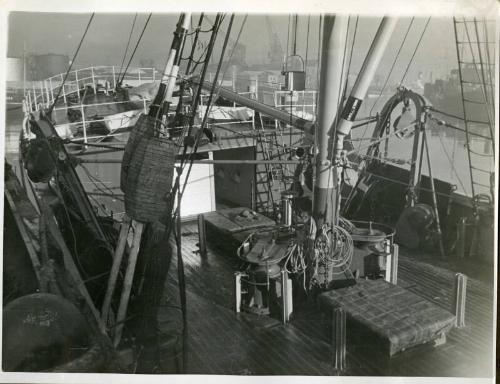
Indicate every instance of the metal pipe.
{"type": "Point", "coordinates": [459, 294]}
{"type": "Point", "coordinates": [335, 30]}
{"type": "Point", "coordinates": [207, 161]}
{"type": "Point", "coordinates": [358, 93]}
{"type": "Point", "coordinates": [434, 198]}
{"type": "Point", "coordinates": [283, 116]}
{"type": "Point", "coordinates": [202, 238]}
{"type": "Point", "coordinates": [339, 338]}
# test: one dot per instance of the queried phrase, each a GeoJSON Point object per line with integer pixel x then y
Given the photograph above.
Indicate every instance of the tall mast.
{"type": "Point", "coordinates": [331, 88]}
{"type": "Point", "coordinates": [326, 194]}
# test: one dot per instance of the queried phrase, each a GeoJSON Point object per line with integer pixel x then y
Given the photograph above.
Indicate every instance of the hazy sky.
{"type": "Point", "coordinates": [108, 34]}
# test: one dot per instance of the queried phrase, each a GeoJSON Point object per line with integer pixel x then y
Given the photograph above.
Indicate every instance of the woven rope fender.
{"type": "Point", "coordinates": [141, 127]}
{"type": "Point", "coordinates": [149, 177]}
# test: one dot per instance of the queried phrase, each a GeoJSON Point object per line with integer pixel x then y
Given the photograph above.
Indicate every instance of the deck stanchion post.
{"type": "Point", "coordinates": [202, 238]}
{"type": "Point", "coordinates": [458, 304]}
{"type": "Point", "coordinates": [388, 260]}
{"type": "Point", "coordinates": [339, 338]}
{"type": "Point", "coordinates": [83, 122]}
{"type": "Point", "coordinates": [284, 297]}
{"type": "Point", "coordinates": [394, 264]}
{"type": "Point", "coordinates": [237, 281]}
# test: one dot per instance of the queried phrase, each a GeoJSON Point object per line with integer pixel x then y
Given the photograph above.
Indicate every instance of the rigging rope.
{"type": "Point", "coordinates": [128, 43]}
{"type": "Point", "coordinates": [415, 51]}
{"type": "Point", "coordinates": [393, 65]}
{"type": "Point", "coordinates": [351, 53]}
{"type": "Point", "coordinates": [209, 103]}
{"type": "Point", "coordinates": [136, 46]}
{"type": "Point", "coordinates": [70, 66]}
{"type": "Point", "coordinates": [307, 40]}
{"type": "Point", "coordinates": [451, 161]}
{"type": "Point", "coordinates": [483, 86]}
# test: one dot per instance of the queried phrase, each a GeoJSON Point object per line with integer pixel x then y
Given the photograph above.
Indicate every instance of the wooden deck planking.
{"type": "Point", "coordinates": [222, 342]}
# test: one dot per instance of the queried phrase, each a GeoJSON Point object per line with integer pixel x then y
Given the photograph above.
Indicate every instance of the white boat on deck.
{"type": "Point", "coordinates": [122, 120]}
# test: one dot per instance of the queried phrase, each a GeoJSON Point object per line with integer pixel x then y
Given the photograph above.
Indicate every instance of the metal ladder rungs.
{"type": "Point", "coordinates": [472, 63]}
{"type": "Point", "coordinates": [481, 170]}
{"type": "Point", "coordinates": [475, 42]}
{"type": "Point", "coordinates": [474, 102]}
{"type": "Point", "coordinates": [481, 184]}
{"type": "Point", "coordinates": [477, 83]}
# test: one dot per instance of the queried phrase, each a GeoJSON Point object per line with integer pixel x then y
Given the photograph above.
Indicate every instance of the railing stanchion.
{"type": "Point", "coordinates": [42, 92]}
{"type": "Point", "coordinates": [114, 78]}
{"type": "Point", "coordinates": [51, 90]}
{"type": "Point", "coordinates": [84, 125]}
{"type": "Point", "coordinates": [77, 85]}
{"type": "Point", "coordinates": [34, 97]}
{"type": "Point", "coordinates": [93, 80]}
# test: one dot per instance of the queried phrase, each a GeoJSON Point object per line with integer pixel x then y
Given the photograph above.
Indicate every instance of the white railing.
{"type": "Point", "coordinates": [99, 79]}
{"type": "Point", "coordinates": [102, 79]}
{"type": "Point", "coordinates": [299, 103]}
{"type": "Point", "coordinates": [215, 108]}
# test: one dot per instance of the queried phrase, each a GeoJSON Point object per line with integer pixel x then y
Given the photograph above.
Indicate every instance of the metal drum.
{"type": "Point", "coordinates": [370, 256]}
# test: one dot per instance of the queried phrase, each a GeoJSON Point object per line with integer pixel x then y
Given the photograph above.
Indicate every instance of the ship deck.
{"type": "Point", "coordinates": [223, 342]}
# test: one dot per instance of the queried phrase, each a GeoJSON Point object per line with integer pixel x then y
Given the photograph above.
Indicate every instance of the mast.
{"type": "Point", "coordinates": [331, 88]}
{"type": "Point", "coordinates": [326, 194]}
{"type": "Point", "coordinates": [167, 85]}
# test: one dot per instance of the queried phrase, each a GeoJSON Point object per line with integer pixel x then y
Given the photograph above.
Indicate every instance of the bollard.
{"type": "Point", "coordinates": [202, 237]}
{"type": "Point", "coordinates": [394, 264]}
{"type": "Point", "coordinates": [339, 338]}
{"type": "Point", "coordinates": [458, 303]}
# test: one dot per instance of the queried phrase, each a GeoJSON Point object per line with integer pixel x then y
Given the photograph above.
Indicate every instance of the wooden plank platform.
{"type": "Point", "coordinates": [222, 342]}
{"type": "Point", "coordinates": [233, 220]}
{"type": "Point", "coordinates": [398, 318]}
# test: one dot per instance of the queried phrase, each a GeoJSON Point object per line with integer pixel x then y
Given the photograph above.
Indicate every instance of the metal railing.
{"type": "Point", "coordinates": [102, 79]}
{"type": "Point", "coordinates": [99, 79]}
{"type": "Point", "coordinates": [299, 103]}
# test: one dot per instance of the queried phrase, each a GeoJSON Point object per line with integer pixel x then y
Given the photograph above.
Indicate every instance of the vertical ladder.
{"type": "Point", "coordinates": [269, 177]}
{"type": "Point", "coordinates": [476, 66]}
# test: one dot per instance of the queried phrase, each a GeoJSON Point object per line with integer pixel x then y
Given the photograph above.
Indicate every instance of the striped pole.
{"type": "Point", "coordinates": [167, 85]}
{"type": "Point", "coordinates": [360, 89]}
